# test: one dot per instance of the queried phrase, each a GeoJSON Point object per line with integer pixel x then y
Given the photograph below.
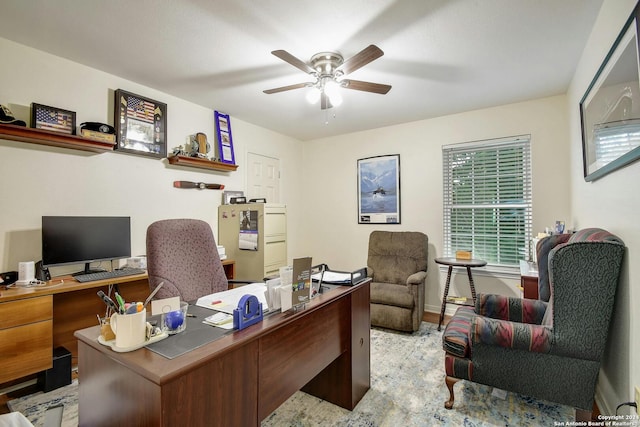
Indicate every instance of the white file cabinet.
{"type": "Point", "coordinates": [271, 238]}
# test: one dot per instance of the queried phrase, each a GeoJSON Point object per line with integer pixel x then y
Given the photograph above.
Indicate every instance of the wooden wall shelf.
{"type": "Point", "coordinates": [196, 162]}
{"type": "Point", "coordinates": [53, 139]}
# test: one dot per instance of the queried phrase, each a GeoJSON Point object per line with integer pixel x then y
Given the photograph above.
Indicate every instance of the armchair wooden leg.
{"type": "Point", "coordinates": [450, 381]}
{"type": "Point", "coordinates": [583, 415]}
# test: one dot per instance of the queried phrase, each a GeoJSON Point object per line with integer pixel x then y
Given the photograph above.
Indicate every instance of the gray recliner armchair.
{"type": "Point", "coordinates": [397, 264]}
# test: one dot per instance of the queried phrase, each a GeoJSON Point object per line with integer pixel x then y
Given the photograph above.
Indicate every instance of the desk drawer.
{"type": "Point", "coordinates": [25, 350]}
{"type": "Point", "coordinates": [25, 311]}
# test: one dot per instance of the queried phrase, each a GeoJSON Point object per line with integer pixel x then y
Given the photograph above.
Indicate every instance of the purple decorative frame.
{"type": "Point", "coordinates": [224, 138]}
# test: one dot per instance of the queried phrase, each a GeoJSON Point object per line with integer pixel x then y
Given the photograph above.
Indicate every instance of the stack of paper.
{"type": "Point", "coordinates": [278, 295]}
{"type": "Point", "coordinates": [227, 301]}
{"type": "Point", "coordinates": [221, 320]}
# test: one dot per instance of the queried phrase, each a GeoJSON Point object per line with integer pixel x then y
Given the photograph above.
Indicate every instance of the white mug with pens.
{"type": "Point", "coordinates": [130, 329]}
{"type": "Point", "coordinates": [129, 324]}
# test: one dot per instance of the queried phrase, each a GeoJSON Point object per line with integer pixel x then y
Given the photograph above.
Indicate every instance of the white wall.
{"type": "Point", "coordinates": [332, 233]}
{"type": "Point", "coordinates": [611, 202]}
{"type": "Point", "coordinates": [36, 180]}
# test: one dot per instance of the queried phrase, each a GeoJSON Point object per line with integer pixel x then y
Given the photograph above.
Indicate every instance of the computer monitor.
{"type": "Point", "coordinates": [84, 239]}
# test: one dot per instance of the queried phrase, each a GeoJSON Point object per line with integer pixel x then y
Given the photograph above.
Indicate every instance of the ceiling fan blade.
{"type": "Point", "coordinates": [287, 57]}
{"type": "Point", "coordinates": [360, 59]}
{"type": "Point", "coordinates": [325, 102]}
{"type": "Point", "coordinates": [290, 87]}
{"type": "Point", "coordinates": [365, 86]}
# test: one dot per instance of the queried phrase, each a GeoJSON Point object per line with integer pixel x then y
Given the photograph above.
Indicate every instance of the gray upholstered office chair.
{"type": "Point", "coordinates": [183, 254]}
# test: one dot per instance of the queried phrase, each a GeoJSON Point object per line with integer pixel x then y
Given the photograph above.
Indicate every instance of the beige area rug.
{"type": "Point", "coordinates": [34, 405]}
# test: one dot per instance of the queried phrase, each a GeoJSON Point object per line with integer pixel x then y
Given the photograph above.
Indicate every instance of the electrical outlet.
{"type": "Point", "coordinates": [637, 399]}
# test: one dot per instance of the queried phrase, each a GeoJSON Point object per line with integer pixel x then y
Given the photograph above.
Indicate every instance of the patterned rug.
{"type": "Point", "coordinates": [34, 405]}
{"type": "Point", "coordinates": [407, 389]}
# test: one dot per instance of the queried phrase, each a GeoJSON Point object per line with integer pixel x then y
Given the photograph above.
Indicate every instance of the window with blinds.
{"type": "Point", "coordinates": [487, 199]}
{"type": "Point", "coordinates": [615, 140]}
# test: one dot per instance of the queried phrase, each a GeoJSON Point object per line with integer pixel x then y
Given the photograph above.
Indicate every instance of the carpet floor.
{"type": "Point", "coordinates": [407, 389]}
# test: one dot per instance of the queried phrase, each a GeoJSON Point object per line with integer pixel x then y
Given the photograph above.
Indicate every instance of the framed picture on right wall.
{"type": "Point", "coordinates": [610, 108]}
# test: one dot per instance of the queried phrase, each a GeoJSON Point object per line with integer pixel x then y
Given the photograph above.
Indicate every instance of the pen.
{"type": "Point", "coordinates": [120, 302]}
{"type": "Point", "coordinates": [191, 315]}
{"type": "Point", "coordinates": [216, 302]}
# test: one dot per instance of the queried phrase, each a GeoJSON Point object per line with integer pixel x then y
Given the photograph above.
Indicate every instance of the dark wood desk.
{"type": "Point", "coordinates": [454, 262]}
{"type": "Point", "coordinates": [34, 321]}
{"type": "Point", "coordinates": [239, 379]}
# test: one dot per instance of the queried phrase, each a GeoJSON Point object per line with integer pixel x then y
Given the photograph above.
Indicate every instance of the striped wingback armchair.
{"type": "Point", "coordinates": [552, 349]}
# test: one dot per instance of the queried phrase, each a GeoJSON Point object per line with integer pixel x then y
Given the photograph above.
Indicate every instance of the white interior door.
{"type": "Point", "coordinates": [263, 178]}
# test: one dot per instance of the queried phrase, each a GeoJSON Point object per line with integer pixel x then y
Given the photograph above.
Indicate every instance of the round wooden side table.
{"type": "Point", "coordinates": [454, 262]}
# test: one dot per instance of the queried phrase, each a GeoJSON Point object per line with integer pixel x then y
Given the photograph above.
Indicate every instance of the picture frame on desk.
{"type": "Point", "coordinates": [141, 125]}
{"type": "Point", "coordinates": [53, 119]}
{"type": "Point", "coordinates": [609, 119]}
{"type": "Point", "coordinates": [379, 190]}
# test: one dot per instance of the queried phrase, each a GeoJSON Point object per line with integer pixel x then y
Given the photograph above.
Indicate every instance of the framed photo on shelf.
{"type": "Point", "coordinates": [53, 119]}
{"type": "Point", "coordinates": [379, 190]}
{"type": "Point", "coordinates": [224, 138]}
{"type": "Point", "coordinates": [609, 112]}
{"type": "Point", "coordinates": [141, 125]}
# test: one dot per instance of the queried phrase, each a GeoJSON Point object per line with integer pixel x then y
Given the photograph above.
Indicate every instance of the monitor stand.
{"type": "Point", "coordinates": [88, 270]}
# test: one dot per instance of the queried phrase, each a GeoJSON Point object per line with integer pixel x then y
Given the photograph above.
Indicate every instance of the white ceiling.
{"type": "Point", "coordinates": [441, 56]}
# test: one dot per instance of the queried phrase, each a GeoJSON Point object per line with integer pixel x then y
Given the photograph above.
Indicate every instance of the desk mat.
{"type": "Point", "coordinates": [195, 335]}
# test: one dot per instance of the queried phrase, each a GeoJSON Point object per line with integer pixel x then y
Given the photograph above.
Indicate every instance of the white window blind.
{"type": "Point", "coordinates": [487, 199]}
{"type": "Point", "coordinates": [615, 140]}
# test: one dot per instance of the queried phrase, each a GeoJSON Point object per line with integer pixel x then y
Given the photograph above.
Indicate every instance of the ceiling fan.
{"type": "Point", "coordinates": [328, 69]}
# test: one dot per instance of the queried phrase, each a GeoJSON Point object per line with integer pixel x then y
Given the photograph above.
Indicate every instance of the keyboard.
{"type": "Point", "coordinates": [102, 275]}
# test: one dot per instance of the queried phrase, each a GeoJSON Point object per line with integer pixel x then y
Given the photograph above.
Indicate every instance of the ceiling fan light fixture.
{"type": "Point", "coordinates": [332, 90]}
{"type": "Point", "coordinates": [313, 95]}
{"type": "Point", "coordinates": [328, 70]}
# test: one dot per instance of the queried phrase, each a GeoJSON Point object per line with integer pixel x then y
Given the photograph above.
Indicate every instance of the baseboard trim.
{"type": "Point", "coordinates": [18, 386]}
{"type": "Point", "coordinates": [432, 317]}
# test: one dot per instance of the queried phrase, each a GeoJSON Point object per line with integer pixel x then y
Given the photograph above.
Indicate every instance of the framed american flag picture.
{"type": "Point", "coordinates": [141, 125]}
{"type": "Point", "coordinates": [53, 119]}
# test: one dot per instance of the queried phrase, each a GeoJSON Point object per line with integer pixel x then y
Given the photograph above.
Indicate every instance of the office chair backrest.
{"type": "Point", "coordinates": [183, 254]}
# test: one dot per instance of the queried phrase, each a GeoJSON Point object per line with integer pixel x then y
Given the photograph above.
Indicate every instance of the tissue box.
{"type": "Point", "coordinates": [466, 255]}
{"type": "Point", "coordinates": [137, 262]}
